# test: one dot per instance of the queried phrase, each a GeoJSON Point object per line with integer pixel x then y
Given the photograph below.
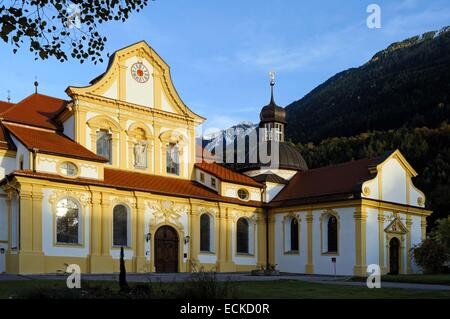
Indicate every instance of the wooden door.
{"type": "Point", "coordinates": [394, 252]}
{"type": "Point", "coordinates": [166, 249]}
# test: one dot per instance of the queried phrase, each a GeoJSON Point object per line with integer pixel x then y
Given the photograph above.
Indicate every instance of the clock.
{"type": "Point", "coordinates": [139, 72]}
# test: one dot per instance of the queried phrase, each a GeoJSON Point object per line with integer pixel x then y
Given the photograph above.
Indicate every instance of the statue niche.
{"type": "Point", "coordinates": [140, 155]}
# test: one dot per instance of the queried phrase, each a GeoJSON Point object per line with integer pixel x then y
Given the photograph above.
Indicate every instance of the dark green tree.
{"type": "Point", "coordinates": [123, 273]}
{"type": "Point", "coordinates": [62, 27]}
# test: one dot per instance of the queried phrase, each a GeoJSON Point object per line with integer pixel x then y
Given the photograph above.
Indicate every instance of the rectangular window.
{"type": "Point", "coordinates": [172, 159]}
{"type": "Point", "coordinates": [213, 182]}
{"type": "Point", "coordinates": [202, 177]}
{"type": "Point", "coordinates": [120, 226]}
{"type": "Point", "coordinates": [67, 222]}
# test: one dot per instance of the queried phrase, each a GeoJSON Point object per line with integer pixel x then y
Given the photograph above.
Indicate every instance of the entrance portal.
{"type": "Point", "coordinates": [166, 249]}
{"type": "Point", "coordinates": [394, 252]}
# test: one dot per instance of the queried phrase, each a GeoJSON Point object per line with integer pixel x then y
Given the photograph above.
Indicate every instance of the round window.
{"type": "Point", "coordinates": [243, 194]}
{"type": "Point", "coordinates": [68, 169]}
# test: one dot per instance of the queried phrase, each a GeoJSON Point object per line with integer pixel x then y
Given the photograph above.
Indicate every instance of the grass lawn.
{"type": "Point", "coordinates": [257, 290]}
{"type": "Point", "coordinates": [414, 278]}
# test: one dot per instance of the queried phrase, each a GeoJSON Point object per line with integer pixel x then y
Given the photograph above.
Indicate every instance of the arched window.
{"type": "Point", "coordinates": [120, 226]}
{"type": "Point", "coordinates": [332, 235]}
{"type": "Point", "coordinates": [104, 144]}
{"type": "Point", "coordinates": [172, 159]}
{"type": "Point", "coordinates": [294, 234]}
{"type": "Point", "coordinates": [242, 235]}
{"type": "Point", "coordinates": [205, 233]}
{"type": "Point", "coordinates": [68, 224]}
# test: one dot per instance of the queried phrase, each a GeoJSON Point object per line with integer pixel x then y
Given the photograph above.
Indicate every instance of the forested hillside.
{"type": "Point", "coordinates": [407, 84]}
{"type": "Point", "coordinates": [399, 99]}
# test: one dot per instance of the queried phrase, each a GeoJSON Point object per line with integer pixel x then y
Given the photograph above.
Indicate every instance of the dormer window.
{"type": "Point", "coordinates": [68, 169]}
{"type": "Point", "coordinates": [213, 182]}
{"type": "Point", "coordinates": [243, 194]}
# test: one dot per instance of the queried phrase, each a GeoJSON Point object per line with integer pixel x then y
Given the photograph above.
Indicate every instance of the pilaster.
{"type": "Point", "coordinates": [381, 241]}
{"type": "Point", "coordinates": [272, 259]}
{"type": "Point", "coordinates": [423, 227]}
{"type": "Point", "coordinates": [123, 144]}
{"type": "Point", "coordinates": [195, 235]}
{"type": "Point", "coordinates": [408, 244]}
{"type": "Point", "coordinates": [157, 89]}
{"type": "Point", "coordinates": [261, 239]}
{"type": "Point", "coordinates": [360, 217]}
{"type": "Point", "coordinates": [140, 260]}
{"type": "Point", "coordinates": [309, 221]}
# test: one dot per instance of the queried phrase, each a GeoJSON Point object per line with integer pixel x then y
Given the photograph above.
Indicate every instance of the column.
{"type": "Point", "coordinates": [360, 217]}
{"type": "Point", "coordinates": [309, 221]}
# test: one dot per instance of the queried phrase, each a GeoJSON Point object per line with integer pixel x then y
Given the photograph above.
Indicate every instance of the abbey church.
{"type": "Point", "coordinates": [116, 164]}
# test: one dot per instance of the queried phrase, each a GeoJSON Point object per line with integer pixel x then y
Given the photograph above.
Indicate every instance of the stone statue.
{"type": "Point", "coordinates": [139, 155]}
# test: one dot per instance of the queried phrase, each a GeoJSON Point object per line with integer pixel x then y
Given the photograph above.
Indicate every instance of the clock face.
{"type": "Point", "coordinates": [139, 72]}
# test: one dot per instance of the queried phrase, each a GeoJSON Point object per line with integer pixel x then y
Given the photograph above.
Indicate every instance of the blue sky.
{"type": "Point", "coordinates": [220, 52]}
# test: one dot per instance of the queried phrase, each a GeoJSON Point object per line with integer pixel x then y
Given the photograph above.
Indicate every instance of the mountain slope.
{"type": "Point", "coordinates": [407, 84]}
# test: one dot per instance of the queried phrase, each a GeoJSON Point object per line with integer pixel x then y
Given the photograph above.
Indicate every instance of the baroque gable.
{"type": "Point", "coordinates": [396, 226]}
{"type": "Point", "coordinates": [138, 76]}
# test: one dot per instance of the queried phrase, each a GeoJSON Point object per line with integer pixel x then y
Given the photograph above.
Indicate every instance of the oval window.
{"type": "Point", "coordinates": [68, 169]}
{"type": "Point", "coordinates": [243, 194]}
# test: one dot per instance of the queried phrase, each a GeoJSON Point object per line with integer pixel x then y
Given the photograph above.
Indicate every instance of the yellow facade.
{"type": "Point", "coordinates": [162, 120]}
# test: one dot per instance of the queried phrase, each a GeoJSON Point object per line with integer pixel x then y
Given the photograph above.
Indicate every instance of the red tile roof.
{"type": "Point", "coordinates": [4, 143]}
{"type": "Point", "coordinates": [51, 142]}
{"type": "Point", "coordinates": [341, 181]}
{"type": "Point", "coordinates": [4, 106]}
{"type": "Point", "coordinates": [133, 181]}
{"type": "Point", "coordinates": [36, 109]}
{"type": "Point", "coordinates": [226, 174]}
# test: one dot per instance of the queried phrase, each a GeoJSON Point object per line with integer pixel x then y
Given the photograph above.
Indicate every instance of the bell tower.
{"type": "Point", "coordinates": [272, 117]}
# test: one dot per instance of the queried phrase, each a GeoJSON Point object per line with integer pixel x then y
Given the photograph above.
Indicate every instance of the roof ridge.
{"type": "Point", "coordinates": [40, 94]}
{"type": "Point", "coordinates": [344, 163]}
{"type": "Point", "coordinates": [33, 127]}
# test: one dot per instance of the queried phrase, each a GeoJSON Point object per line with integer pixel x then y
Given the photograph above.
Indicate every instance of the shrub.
{"type": "Point", "coordinates": [430, 255]}
{"type": "Point", "coordinates": [123, 273]}
{"type": "Point", "coordinates": [204, 285]}
{"type": "Point", "coordinates": [441, 233]}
